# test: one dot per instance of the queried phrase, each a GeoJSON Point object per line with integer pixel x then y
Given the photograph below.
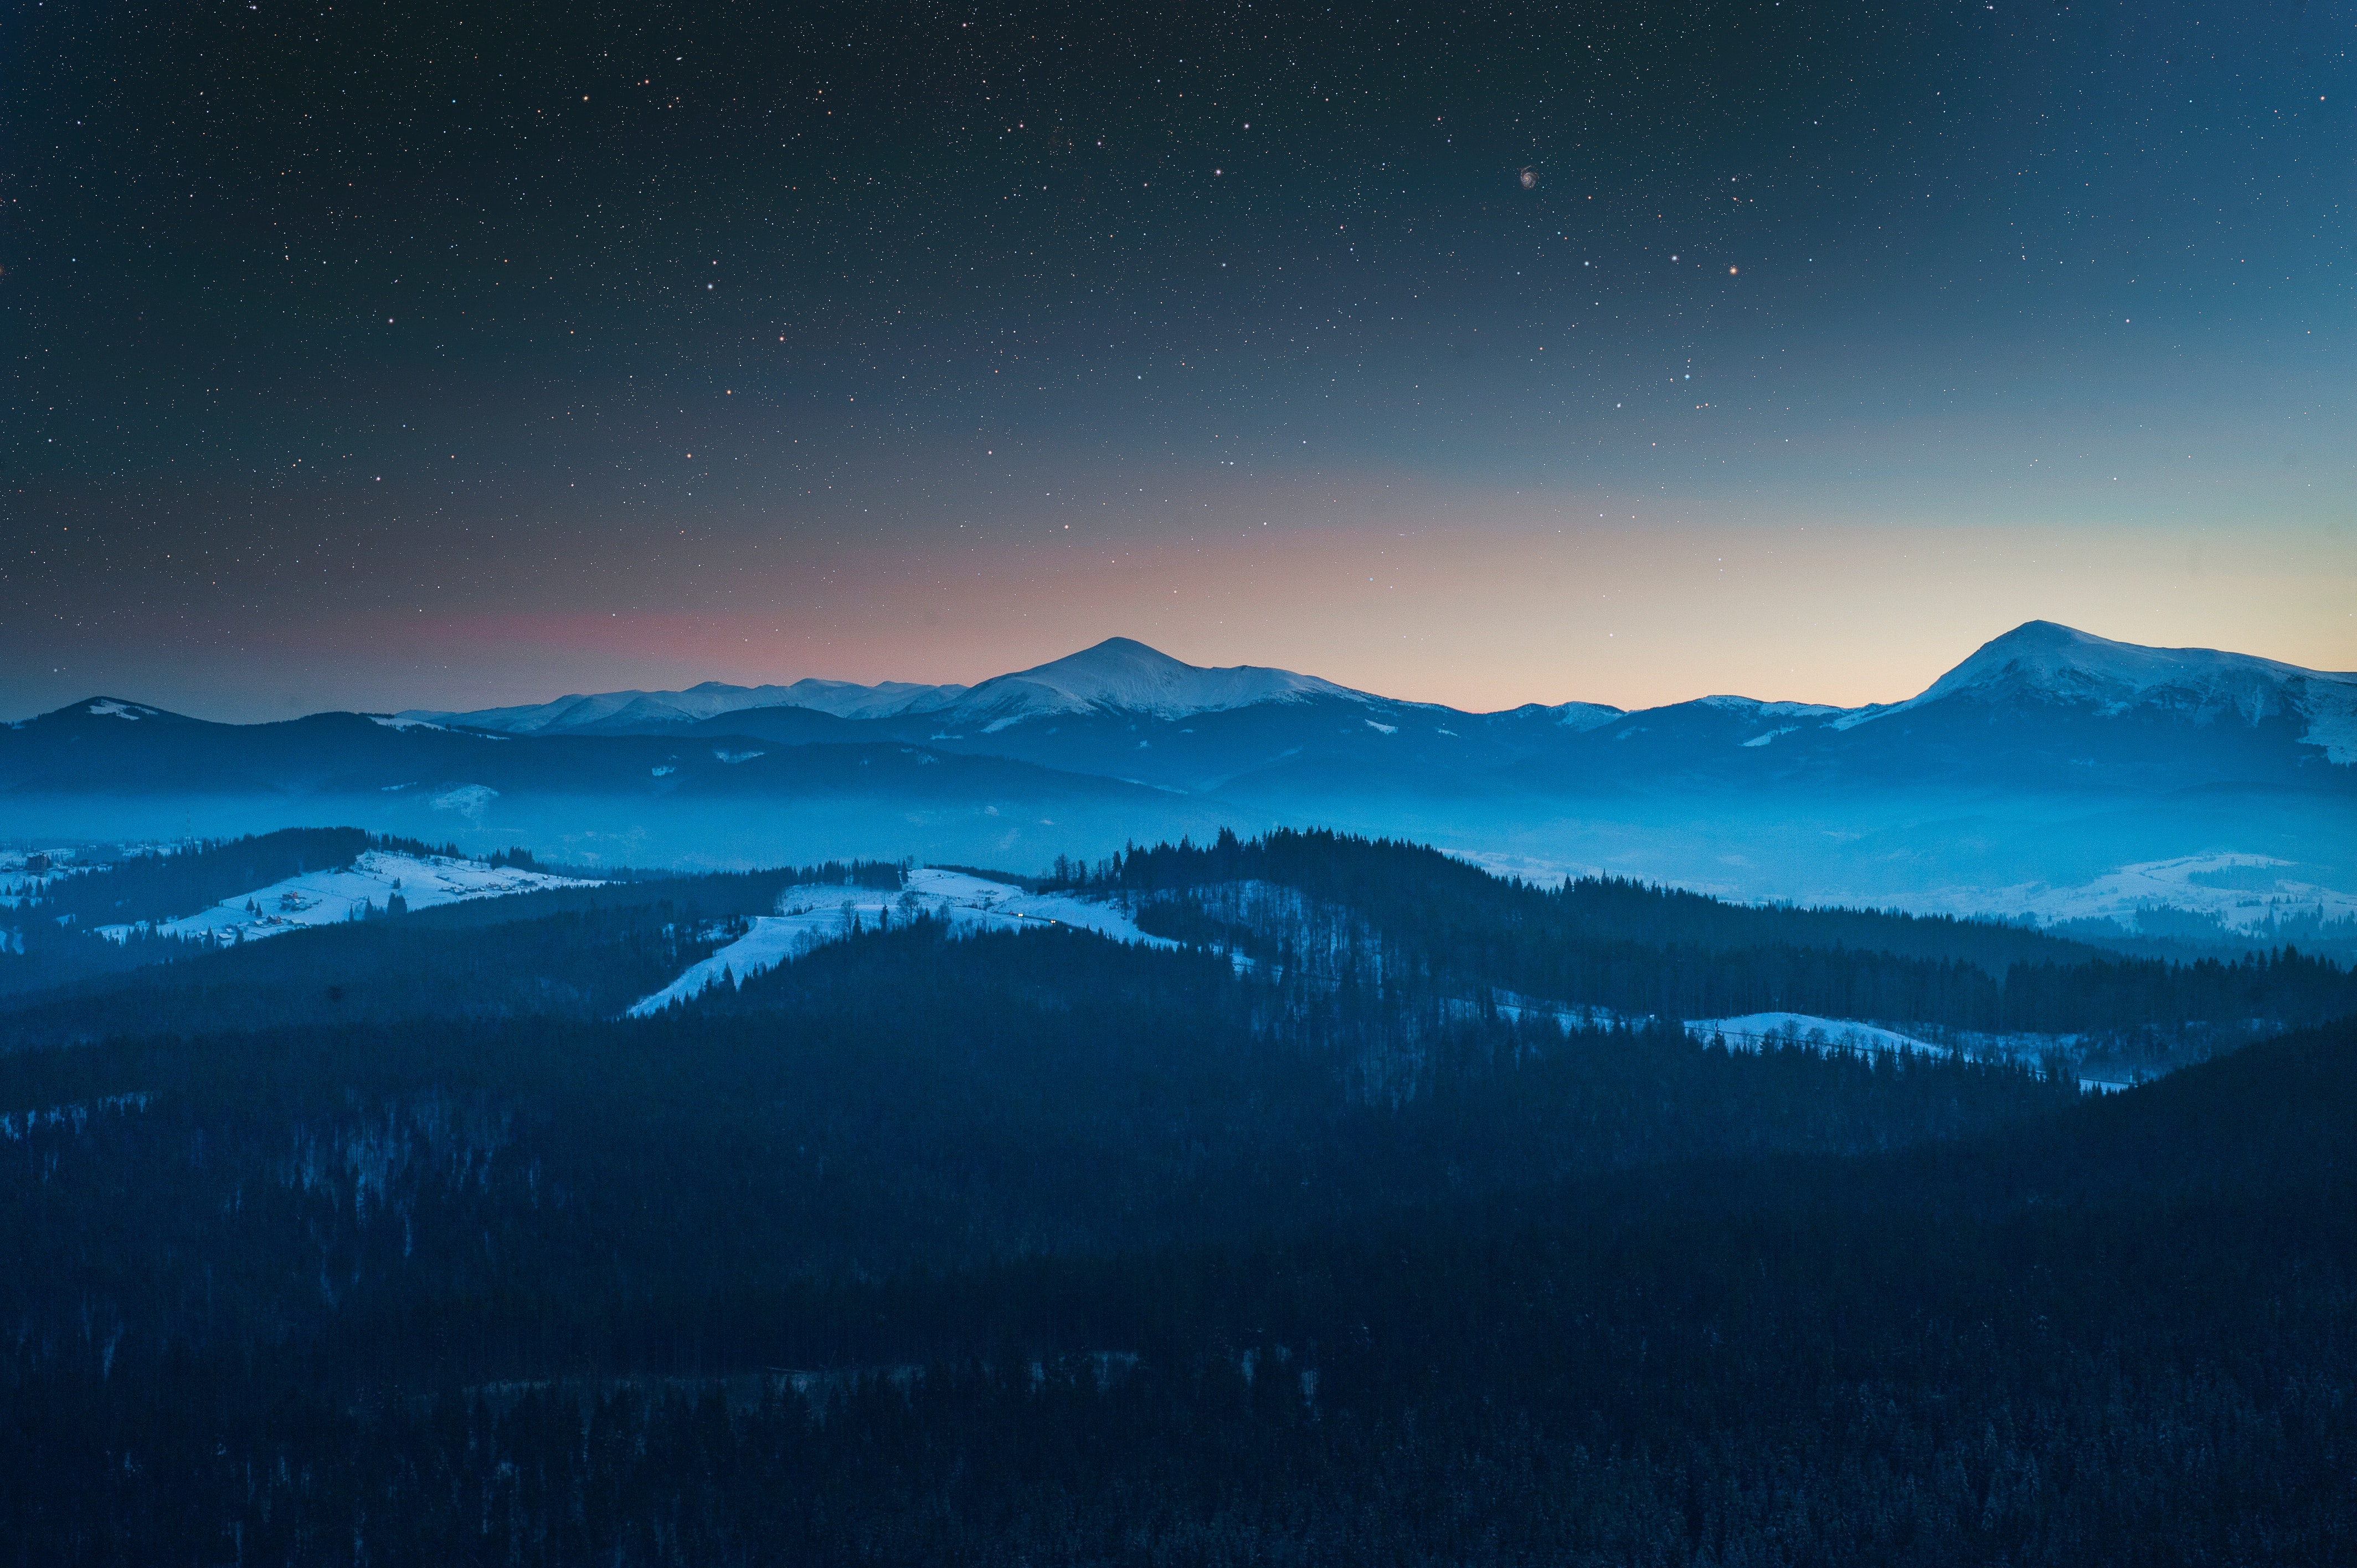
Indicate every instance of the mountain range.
{"type": "Point", "coordinates": [2047, 760]}
{"type": "Point", "coordinates": [2040, 671]}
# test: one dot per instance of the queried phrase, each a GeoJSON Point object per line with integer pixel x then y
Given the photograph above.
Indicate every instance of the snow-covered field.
{"type": "Point", "coordinates": [808, 916]}
{"type": "Point", "coordinates": [1760, 1031]}
{"type": "Point", "coordinates": [2242, 890]}
{"type": "Point", "coordinates": [327, 898]}
{"type": "Point", "coordinates": [1756, 1031]}
{"type": "Point", "coordinates": [15, 877]}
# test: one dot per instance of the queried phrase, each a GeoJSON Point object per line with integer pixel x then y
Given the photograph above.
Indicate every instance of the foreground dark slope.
{"type": "Point", "coordinates": [1096, 1254]}
{"type": "Point", "coordinates": [467, 1296]}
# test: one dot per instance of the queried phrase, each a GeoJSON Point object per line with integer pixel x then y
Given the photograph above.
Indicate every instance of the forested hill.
{"type": "Point", "coordinates": [1392, 930]}
{"type": "Point", "coordinates": [583, 952]}
{"type": "Point", "coordinates": [1412, 915]}
{"type": "Point", "coordinates": [160, 885]}
{"type": "Point", "coordinates": [1033, 1248]}
{"type": "Point", "coordinates": [1397, 884]}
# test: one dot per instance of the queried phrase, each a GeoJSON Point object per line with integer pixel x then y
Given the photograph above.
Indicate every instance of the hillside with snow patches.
{"type": "Point", "coordinates": [1808, 1031]}
{"type": "Point", "coordinates": [808, 916]}
{"type": "Point", "coordinates": [363, 888]}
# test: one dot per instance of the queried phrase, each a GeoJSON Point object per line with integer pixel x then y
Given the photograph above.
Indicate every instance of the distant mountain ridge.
{"type": "Point", "coordinates": [2037, 661]}
{"type": "Point", "coordinates": [1117, 675]}
{"type": "Point", "coordinates": [2049, 760]}
{"type": "Point", "coordinates": [620, 712]}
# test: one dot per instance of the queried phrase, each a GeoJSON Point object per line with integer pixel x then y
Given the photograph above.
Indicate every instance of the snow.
{"type": "Point", "coordinates": [1770, 710]}
{"type": "Point", "coordinates": [1581, 718]}
{"type": "Point", "coordinates": [1515, 1008]}
{"type": "Point", "coordinates": [809, 917]}
{"type": "Point", "coordinates": [2057, 663]}
{"type": "Point", "coordinates": [2332, 720]}
{"type": "Point", "coordinates": [108, 708]}
{"type": "Point", "coordinates": [1125, 676]}
{"type": "Point", "coordinates": [400, 721]}
{"type": "Point", "coordinates": [2237, 888]}
{"type": "Point", "coordinates": [1383, 729]}
{"type": "Point", "coordinates": [1771, 735]}
{"type": "Point", "coordinates": [328, 897]}
{"type": "Point", "coordinates": [469, 800]}
{"type": "Point", "coordinates": [1756, 1031]}
{"type": "Point", "coordinates": [1760, 1031]}
{"type": "Point", "coordinates": [711, 699]}
{"type": "Point", "coordinates": [17, 882]}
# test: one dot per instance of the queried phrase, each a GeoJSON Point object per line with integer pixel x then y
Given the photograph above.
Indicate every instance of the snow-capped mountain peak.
{"type": "Point", "coordinates": [2041, 661]}
{"type": "Point", "coordinates": [1121, 675]}
{"type": "Point", "coordinates": [2042, 658]}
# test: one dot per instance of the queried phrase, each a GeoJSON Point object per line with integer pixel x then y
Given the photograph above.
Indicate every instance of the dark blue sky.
{"type": "Point", "coordinates": [367, 355]}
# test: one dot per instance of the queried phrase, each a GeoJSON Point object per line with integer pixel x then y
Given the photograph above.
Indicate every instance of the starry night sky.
{"type": "Point", "coordinates": [382, 356]}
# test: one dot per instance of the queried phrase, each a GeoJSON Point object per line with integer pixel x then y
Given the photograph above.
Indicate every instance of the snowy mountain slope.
{"type": "Point", "coordinates": [104, 708]}
{"type": "Point", "coordinates": [2040, 662]}
{"type": "Point", "coordinates": [2042, 710]}
{"type": "Point", "coordinates": [622, 711]}
{"type": "Point", "coordinates": [1119, 675]}
{"type": "Point", "coordinates": [1574, 717]}
{"type": "Point", "coordinates": [329, 898]}
{"type": "Point", "coordinates": [808, 916]}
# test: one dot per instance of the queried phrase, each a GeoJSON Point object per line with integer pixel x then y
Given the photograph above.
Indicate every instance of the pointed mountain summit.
{"type": "Point", "coordinates": [1121, 675]}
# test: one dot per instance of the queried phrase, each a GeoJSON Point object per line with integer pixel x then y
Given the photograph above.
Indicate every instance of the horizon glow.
{"type": "Point", "coordinates": [1802, 397]}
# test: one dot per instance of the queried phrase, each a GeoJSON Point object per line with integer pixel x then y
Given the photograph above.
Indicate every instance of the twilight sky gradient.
{"type": "Point", "coordinates": [381, 356]}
